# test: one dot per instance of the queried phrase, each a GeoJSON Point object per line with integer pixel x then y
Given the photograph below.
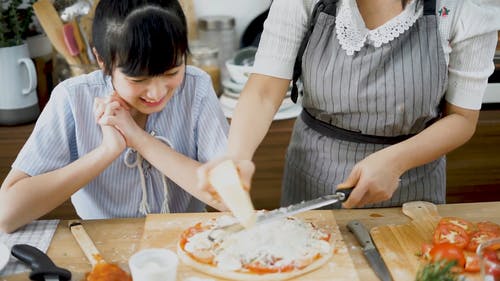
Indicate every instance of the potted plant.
{"type": "Point", "coordinates": [18, 99]}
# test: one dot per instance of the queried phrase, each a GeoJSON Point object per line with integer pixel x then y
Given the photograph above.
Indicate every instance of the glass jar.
{"type": "Point", "coordinates": [219, 31]}
{"type": "Point", "coordinates": [489, 260]}
{"type": "Point", "coordinates": [205, 57]}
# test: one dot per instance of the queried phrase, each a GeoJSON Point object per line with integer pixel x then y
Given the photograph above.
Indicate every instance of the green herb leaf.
{"type": "Point", "coordinates": [438, 271]}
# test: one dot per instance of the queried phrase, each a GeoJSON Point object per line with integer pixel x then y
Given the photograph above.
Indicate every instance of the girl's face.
{"type": "Point", "coordinates": [148, 94]}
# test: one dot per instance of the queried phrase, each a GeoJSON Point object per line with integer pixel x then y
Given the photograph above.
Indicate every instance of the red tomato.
{"type": "Point", "coordinates": [452, 234]}
{"type": "Point", "coordinates": [259, 268]}
{"type": "Point", "coordinates": [478, 238]}
{"type": "Point", "coordinates": [466, 225]}
{"type": "Point", "coordinates": [488, 226]}
{"type": "Point", "coordinates": [188, 233]}
{"type": "Point", "coordinates": [448, 252]}
{"type": "Point", "coordinates": [471, 262]}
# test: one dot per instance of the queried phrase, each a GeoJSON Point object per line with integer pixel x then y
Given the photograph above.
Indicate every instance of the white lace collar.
{"type": "Point", "coordinates": [353, 34]}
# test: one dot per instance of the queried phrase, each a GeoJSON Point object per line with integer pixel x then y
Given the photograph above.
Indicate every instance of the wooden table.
{"type": "Point", "coordinates": [118, 239]}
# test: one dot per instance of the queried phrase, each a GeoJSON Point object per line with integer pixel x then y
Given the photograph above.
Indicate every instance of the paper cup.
{"type": "Point", "coordinates": [154, 265]}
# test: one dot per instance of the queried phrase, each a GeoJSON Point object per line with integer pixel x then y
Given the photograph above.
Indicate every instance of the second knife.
{"type": "Point", "coordinates": [371, 253]}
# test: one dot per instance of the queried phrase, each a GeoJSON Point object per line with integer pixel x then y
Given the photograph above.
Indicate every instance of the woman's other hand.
{"type": "Point", "coordinates": [374, 179]}
{"type": "Point", "coordinates": [246, 169]}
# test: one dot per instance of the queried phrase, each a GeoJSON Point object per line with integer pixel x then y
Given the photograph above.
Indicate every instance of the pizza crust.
{"type": "Point", "coordinates": [233, 275]}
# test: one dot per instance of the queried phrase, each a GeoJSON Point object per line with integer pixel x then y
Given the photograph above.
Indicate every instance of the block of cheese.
{"type": "Point", "coordinates": [226, 181]}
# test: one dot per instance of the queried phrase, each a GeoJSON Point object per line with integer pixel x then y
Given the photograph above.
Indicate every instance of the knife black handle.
{"type": "Point", "coordinates": [40, 264]}
{"type": "Point", "coordinates": [361, 234]}
{"type": "Point", "coordinates": [346, 192]}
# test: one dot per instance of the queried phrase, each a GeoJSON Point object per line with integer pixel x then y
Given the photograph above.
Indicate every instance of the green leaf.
{"type": "Point", "coordinates": [437, 271]}
{"type": "Point", "coordinates": [14, 22]}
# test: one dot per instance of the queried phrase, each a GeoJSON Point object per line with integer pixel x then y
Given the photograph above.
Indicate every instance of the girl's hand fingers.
{"type": "Point", "coordinates": [98, 108]}
{"type": "Point", "coordinates": [110, 110]}
{"type": "Point", "coordinates": [115, 97]}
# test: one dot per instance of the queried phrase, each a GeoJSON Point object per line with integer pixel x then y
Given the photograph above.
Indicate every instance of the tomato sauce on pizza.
{"type": "Point", "coordinates": [277, 250]}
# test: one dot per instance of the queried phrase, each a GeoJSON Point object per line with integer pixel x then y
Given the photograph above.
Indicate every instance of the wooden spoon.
{"type": "Point", "coordinates": [52, 25]}
{"type": "Point", "coordinates": [101, 270]}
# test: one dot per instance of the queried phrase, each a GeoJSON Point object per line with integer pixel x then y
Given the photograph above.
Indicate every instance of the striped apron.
{"type": "Point", "coordinates": [382, 93]}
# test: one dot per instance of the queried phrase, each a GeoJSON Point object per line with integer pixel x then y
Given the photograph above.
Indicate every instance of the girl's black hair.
{"type": "Point", "coordinates": [141, 37]}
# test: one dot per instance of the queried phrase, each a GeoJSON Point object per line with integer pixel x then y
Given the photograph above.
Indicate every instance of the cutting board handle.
{"type": "Point", "coordinates": [420, 210]}
{"type": "Point", "coordinates": [424, 215]}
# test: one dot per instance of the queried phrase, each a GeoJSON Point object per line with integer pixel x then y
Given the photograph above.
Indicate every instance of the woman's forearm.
{"type": "Point", "coordinates": [447, 134]}
{"type": "Point", "coordinates": [24, 198]}
{"type": "Point", "coordinates": [257, 105]}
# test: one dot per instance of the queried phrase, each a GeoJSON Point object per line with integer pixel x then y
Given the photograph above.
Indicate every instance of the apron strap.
{"type": "Point", "coordinates": [327, 6]}
{"type": "Point", "coordinates": [429, 7]}
{"type": "Point", "coordinates": [335, 132]}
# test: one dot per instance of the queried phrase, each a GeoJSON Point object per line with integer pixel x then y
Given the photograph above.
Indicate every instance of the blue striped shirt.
{"type": "Point", "coordinates": [192, 122]}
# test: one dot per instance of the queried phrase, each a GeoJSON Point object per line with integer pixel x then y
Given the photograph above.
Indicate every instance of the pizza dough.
{"type": "Point", "coordinates": [277, 250]}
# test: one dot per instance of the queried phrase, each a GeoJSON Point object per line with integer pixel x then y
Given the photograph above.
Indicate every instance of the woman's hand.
{"type": "Point", "coordinates": [375, 179]}
{"type": "Point", "coordinates": [246, 169]}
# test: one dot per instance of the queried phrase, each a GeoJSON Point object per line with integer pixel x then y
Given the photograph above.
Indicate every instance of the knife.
{"type": "Point", "coordinates": [340, 196]}
{"type": "Point", "coordinates": [43, 269]}
{"type": "Point", "coordinates": [371, 253]}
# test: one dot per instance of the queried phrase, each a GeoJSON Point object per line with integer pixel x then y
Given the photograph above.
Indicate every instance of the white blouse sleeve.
{"type": "Point", "coordinates": [284, 29]}
{"type": "Point", "coordinates": [473, 38]}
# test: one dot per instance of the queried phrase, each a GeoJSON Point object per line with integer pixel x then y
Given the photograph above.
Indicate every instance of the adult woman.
{"type": "Point", "coordinates": [374, 74]}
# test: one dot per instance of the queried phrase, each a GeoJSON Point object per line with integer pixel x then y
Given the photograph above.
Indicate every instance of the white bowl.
{"type": "Point", "coordinates": [238, 73]}
{"type": "Point", "coordinates": [232, 85]}
{"type": "Point", "coordinates": [229, 93]}
{"type": "Point", "coordinates": [154, 265]}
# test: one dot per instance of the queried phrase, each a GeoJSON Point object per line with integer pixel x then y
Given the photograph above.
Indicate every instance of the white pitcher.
{"type": "Point", "coordinates": [18, 98]}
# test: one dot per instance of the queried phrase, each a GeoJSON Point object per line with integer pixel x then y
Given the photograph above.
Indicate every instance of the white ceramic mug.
{"type": "Point", "coordinates": [154, 265]}
{"type": "Point", "coordinates": [18, 80]}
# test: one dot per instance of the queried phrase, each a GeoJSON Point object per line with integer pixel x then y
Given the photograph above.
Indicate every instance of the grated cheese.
{"type": "Point", "coordinates": [274, 244]}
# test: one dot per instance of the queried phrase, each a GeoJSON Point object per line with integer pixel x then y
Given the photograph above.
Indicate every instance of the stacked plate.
{"type": "Point", "coordinates": [239, 69]}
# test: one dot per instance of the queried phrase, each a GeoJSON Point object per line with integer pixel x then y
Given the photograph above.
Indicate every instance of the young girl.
{"type": "Point", "coordinates": [126, 140]}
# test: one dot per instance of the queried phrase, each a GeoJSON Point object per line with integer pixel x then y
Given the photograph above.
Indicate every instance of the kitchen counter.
{"type": "Point", "coordinates": [118, 239]}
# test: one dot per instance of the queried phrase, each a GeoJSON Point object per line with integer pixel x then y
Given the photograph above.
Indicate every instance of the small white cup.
{"type": "Point", "coordinates": [154, 265]}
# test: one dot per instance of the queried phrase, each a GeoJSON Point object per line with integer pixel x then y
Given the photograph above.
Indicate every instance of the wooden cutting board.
{"type": "Point", "coordinates": [164, 230]}
{"type": "Point", "coordinates": [400, 244]}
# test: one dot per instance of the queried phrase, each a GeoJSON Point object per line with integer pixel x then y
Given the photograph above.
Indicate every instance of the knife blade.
{"type": "Point", "coordinates": [369, 250]}
{"type": "Point", "coordinates": [340, 196]}
{"type": "Point", "coordinates": [41, 265]}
